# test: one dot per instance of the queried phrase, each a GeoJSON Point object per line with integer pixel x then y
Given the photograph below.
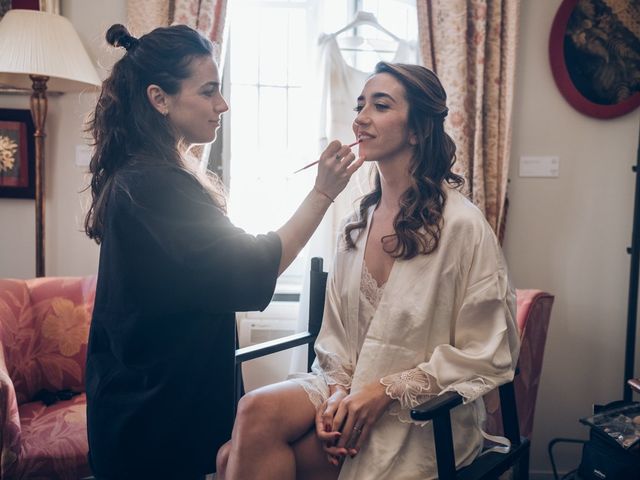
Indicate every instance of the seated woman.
{"type": "Point", "coordinates": [418, 303]}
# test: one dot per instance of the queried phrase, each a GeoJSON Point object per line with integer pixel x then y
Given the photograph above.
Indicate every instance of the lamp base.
{"type": "Point", "coordinates": [39, 114]}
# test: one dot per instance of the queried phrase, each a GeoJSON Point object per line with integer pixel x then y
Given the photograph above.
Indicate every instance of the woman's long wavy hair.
{"type": "Point", "coordinates": [422, 204]}
{"type": "Point", "coordinates": [126, 128]}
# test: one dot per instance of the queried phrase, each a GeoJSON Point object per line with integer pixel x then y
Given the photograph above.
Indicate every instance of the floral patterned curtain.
{"type": "Point", "coordinates": [145, 15]}
{"type": "Point", "coordinates": [206, 16]}
{"type": "Point", "coordinates": [471, 45]}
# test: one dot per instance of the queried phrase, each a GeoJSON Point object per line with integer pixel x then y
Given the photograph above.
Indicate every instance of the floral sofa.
{"type": "Point", "coordinates": [44, 328]}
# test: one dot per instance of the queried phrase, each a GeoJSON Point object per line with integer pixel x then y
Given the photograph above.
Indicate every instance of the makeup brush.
{"type": "Point", "coordinates": [313, 163]}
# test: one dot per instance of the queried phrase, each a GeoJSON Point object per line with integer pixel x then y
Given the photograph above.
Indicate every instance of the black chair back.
{"type": "Point", "coordinates": [317, 288]}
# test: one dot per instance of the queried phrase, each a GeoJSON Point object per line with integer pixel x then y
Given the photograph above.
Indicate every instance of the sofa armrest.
{"type": "Point", "coordinates": [10, 431]}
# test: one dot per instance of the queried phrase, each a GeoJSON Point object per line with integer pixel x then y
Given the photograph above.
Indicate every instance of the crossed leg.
{"type": "Point", "coordinates": [274, 438]}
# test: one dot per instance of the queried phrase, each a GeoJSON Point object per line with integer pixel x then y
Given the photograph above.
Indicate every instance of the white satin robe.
{"type": "Point", "coordinates": [450, 313]}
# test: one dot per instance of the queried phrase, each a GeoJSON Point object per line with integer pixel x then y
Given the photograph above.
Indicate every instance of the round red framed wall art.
{"type": "Point", "coordinates": [594, 51]}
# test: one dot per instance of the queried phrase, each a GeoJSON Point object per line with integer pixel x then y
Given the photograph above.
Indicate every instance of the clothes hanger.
{"type": "Point", "coordinates": [366, 18]}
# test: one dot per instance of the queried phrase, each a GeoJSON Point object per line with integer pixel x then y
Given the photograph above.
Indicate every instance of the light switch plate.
{"type": "Point", "coordinates": [546, 166]}
{"type": "Point", "coordinates": [83, 155]}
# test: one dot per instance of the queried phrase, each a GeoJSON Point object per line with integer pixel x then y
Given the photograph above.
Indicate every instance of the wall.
{"type": "Point", "coordinates": [68, 251]}
{"type": "Point", "coordinates": [569, 235]}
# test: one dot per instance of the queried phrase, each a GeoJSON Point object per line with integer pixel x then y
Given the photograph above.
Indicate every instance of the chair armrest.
{"type": "Point", "coordinates": [267, 348]}
{"type": "Point", "coordinates": [436, 406]}
{"type": "Point", "coordinates": [10, 431]}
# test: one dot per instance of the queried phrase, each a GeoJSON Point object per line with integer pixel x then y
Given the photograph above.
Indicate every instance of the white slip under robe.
{"type": "Point", "coordinates": [446, 318]}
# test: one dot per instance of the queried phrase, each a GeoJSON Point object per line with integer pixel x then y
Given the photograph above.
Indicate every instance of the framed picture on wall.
{"type": "Point", "coordinates": [593, 51]}
{"type": "Point", "coordinates": [17, 154]}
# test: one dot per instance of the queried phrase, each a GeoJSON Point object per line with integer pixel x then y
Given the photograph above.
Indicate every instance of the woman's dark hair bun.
{"type": "Point", "coordinates": [119, 36]}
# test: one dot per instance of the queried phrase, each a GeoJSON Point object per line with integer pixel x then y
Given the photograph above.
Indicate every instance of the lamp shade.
{"type": "Point", "coordinates": [40, 43]}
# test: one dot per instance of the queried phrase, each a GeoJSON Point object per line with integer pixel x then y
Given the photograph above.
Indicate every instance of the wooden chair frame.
{"type": "Point", "coordinates": [489, 465]}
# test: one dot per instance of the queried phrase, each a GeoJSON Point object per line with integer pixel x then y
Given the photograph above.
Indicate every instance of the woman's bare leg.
{"type": "Point", "coordinates": [311, 460]}
{"type": "Point", "coordinates": [269, 421]}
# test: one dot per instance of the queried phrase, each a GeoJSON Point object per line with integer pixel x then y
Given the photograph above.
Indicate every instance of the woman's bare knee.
{"type": "Point", "coordinates": [280, 412]}
{"type": "Point", "coordinates": [221, 461]}
{"type": "Point", "coordinates": [260, 408]}
{"type": "Point", "coordinates": [268, 421]}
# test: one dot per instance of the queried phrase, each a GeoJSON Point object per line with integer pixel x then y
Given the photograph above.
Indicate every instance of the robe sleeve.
{"type": "Point", "coordinates": [182, 245]}
{"type": "Point", "coordinates": [335, 357]}
{"type": "Point", "coordinates": [332, 346]}
{"type": "Point", "coordinates": [484, 343]}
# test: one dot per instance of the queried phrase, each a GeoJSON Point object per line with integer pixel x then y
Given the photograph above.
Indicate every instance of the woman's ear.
{"type": "Point", "coordinates": [158, 99]}
{"type": "Point", "coordinates": [413, 139]}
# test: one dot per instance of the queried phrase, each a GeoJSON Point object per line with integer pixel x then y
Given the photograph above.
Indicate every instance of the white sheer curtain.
{"type": "Point", "coordinates": [207, 16]}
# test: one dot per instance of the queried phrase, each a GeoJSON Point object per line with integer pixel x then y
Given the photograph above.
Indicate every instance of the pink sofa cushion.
{"type": "Point", "coordinates": [44, 329]}
{"type": "Point", "coordinates": [64, 458]}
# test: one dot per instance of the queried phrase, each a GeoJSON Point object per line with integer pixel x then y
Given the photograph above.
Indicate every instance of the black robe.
{"type": "Point", "coordinates": [160, 364]}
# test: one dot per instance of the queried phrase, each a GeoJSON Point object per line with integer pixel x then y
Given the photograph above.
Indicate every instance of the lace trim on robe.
{"type": "Point", "coordinates": [316, 392]}
{"type": "Point", "coordinates": [333, 370]}
{"type": "Point", "coordinates": [369, 287]}
{"type": "Point", "coordinates": [410, 388]}
{"type": "Point", "coordinates": [471, 390]}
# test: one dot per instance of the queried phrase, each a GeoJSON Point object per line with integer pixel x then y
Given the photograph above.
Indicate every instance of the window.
{"type": "Point", "coordinates": [269, 80]}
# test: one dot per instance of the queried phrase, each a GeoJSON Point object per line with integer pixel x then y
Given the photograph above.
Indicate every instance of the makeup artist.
{"type": "Point", "coordinates": [173, 269]}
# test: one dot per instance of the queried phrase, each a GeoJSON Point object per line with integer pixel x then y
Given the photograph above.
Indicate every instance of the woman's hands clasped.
{"type": "Point", "coordinates": [328, 435]}
{"type": "Point", "coordinates": [336, 165]}
{"type": "Point", "coordinates": [344, 421]}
